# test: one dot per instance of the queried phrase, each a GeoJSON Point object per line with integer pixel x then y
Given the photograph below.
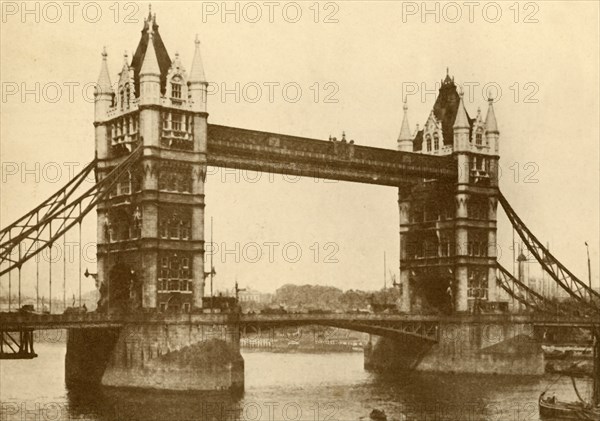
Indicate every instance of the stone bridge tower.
{"type": "Point", "coordinates": [150, 229]}
{"type": "Point", "coordinates": [448, 232]}
{"type": "Point", "coordinates": [150, 232]}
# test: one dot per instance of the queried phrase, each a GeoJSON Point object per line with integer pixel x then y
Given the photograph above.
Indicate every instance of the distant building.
{"type": "Point", "coordinates": [252, 295]}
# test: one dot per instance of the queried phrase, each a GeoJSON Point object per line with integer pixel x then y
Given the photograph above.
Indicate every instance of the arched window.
{"type": "Point", "coordinates": [176, 87]}
{"type": "Point", "coordinates": [428, 142]}
{"type": "Point", "coordinates": [436, 142]}
{"type": "Point", "coordinates": [122, 96]}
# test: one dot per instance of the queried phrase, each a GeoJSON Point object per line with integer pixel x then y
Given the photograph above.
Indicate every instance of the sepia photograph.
{"type": "Point", "coordinates": [301, 210]}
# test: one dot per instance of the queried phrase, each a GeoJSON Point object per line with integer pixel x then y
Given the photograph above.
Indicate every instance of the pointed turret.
{"type": "Point", "coordinates": [491, 125]}
{"type": "Point", "coordinates": [104, 85]}
{"type": "Point", "coordinates": [150, 63]}
{"type": "Point", "coordinates": [197, 69]}
{"type": "Point", "coordinates": [492, 134]}
{"type": "Point", "coordinates": [405, 138]}
{"type": "Point", "coordinates": [461, 121]}
{"type": "Point", "coordinates": [104, 93]}
{"type": "Point", "coordinates": [150, 75]}
{"type": "Point", "coordinates": [197, 81]}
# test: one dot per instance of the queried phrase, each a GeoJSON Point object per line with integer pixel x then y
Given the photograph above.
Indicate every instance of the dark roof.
{"type": "Point", "coordinates": [418, 141]}
{"type": "Point", "coordinates": [445, 109]}
{"type": "Point", "coordinates": [164, 61]}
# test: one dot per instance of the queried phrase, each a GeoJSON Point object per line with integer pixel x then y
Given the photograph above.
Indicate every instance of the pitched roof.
{"type": "Point", "coordinates": [445, 109]}
{"type": "Point", "coordinates": [164, 61]}
{"type": "Point", "coordinates": [418, 141]}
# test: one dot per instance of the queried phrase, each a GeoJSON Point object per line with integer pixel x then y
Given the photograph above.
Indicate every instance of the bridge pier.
{"type": "Point", "coordinates": [157, 356]}
{"type": "Point", "coordinates": [465, 345]}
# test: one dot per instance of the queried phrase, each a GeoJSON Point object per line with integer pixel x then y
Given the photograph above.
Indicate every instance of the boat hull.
{"type": "Point", "coordinates": [558, 410]}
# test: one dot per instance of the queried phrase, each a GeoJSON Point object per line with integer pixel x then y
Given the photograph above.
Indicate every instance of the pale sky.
{"type": "Point", "coordinates": [548, 115]}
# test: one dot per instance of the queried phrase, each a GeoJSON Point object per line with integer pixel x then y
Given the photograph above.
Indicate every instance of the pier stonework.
{"type": "Point", "coordinates": [196, 357]}
{"type": "Point", "coordinates": [467, 344]}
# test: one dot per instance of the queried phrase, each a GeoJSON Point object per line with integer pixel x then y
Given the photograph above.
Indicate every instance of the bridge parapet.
{"type": "Point", "coordinates": [232, 147]}
{"type": "Point", "coordinates": [90, 320]}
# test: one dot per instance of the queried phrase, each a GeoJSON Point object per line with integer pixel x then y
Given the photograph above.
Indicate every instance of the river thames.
{"type": "Point", "coordinates": [279, 386]}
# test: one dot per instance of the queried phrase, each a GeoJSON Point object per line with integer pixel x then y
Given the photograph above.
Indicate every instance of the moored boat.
{"type": "Point", "coordinates": [551, 408]}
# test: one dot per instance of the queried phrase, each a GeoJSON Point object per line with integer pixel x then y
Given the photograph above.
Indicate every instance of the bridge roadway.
{"type": "Point", "coordinates": [419, 326]}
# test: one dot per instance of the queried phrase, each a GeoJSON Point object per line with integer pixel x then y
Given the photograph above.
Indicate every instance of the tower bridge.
{"type": "Point", "coordinates": [153, 143]}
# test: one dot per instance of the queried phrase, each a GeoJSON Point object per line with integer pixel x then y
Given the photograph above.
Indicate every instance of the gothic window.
{"type": "Point", "coordinates": [445, 244]}
{"type": "Point", "coordinates": [483, 164]}
{"type": "Point", "coordinates": [477, 285]}
{"type": "Point", "coordinates": [428, 142]}
{"type": "Point", "coordinates": [436, 142]}
{"type": "Point", "coordinates": [176, 87]}
{"type": "Point", "coordinates": [479, 138]}
{"type": "Point", "coordinates": [176, 121]}
{"type": "Point", "coordinates": [185, 230]}
{"type": "Point", "coordinates": [175, 272]}
{"type": "Point", "coordinates": [122, 97]}
{"type": "Point", "coordinates": [478, 243]}
{"type": "Point", "coordinates": [184, 272]}
{"type": "Point", "coordinates": [174, 224]}
{"type": "Point", "coordinates": [119, 225]}
{"type": "Point", "coordinates": [175, 179]}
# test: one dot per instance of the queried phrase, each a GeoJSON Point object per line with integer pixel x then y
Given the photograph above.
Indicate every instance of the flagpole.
{"type": "Point", "coordinates": [212, 251]}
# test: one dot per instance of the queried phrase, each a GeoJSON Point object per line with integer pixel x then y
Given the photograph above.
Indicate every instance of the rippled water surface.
{"type": "Point", "coordinates": [279, 386]}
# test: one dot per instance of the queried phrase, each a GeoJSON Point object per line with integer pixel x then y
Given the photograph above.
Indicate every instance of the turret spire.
{"type": "Point", "coordinates": [197, 70]}
{"type": "Point", "coordinates": [461, 121]}
{"type": "Point", "coordinates": [150, 63]}
{"type": "Point", "coordinates": [104, 85]}
{"type": "Point", "coordinates": [405, 139]}
{"type": "Point", "coordinates": [491, 125]}
{"type": "Point", "coordinates": [405, 129]}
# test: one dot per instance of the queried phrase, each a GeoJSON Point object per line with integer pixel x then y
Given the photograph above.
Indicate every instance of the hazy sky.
{"type": "Point", "coordinates": [548, 116]}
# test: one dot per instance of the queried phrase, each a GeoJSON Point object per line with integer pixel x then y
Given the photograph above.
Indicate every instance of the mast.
{"type": "Point", "coordinates": [589, 268]}
{"type": "Point", "coordinates": [212, 251]}
{"type": "Point", "coordinates": [596, 372]}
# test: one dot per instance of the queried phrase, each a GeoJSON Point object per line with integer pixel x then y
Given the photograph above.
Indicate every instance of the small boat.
{"type": "Point", "coordinates": [378, 415]}
{"type": "Point", "coordinates": [550, 407]}
{"type": "Point", "coordinates": [557, 410]}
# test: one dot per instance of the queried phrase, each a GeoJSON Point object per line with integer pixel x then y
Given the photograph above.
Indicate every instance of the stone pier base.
{"type": "Point", "coordinates": [465, 345]}
{"type": "Point", "coordinates": [153, 356]}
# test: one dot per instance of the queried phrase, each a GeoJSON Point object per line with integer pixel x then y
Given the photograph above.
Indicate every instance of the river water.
{"type": "Point", "coordinates": [279, 386]}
